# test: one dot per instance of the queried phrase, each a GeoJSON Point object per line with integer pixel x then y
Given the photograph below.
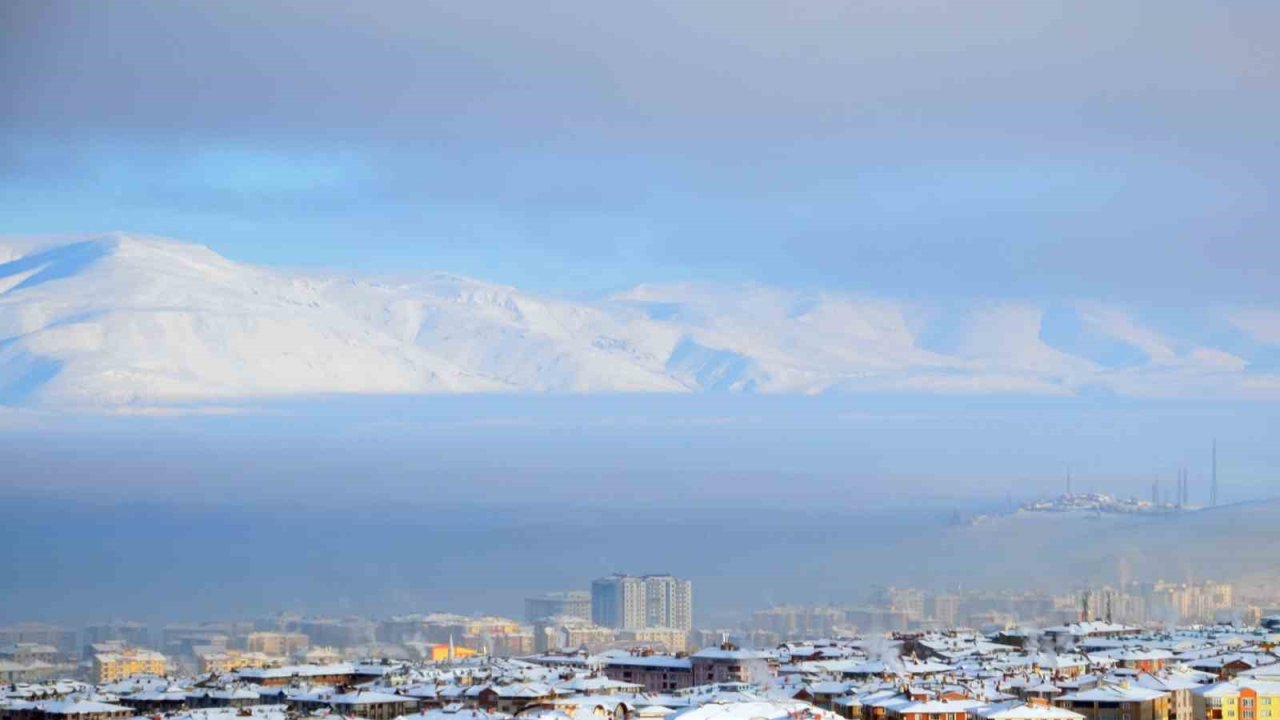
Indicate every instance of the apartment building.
{"type": "Point", "coordinates": [657, 673]}
{"type": "Point", "coordinates": [631, 603]}
{"type": "Point", "coordinates": [222, 662]}
{"type": "Point", "coordinates": [730, 664]}
{"type": "Point", "coordinates": [576, 603]}
{"type": "Point", "coordinates": [1121, 701]}
{"type": "Point", "coordinates": [128, 662]}
{"type": "Point", "coordinates": [618, 601]}
{"type": "Point", "coordinates": [1237, 700]}
{"type": "Point", "coordinates": [669, 639]}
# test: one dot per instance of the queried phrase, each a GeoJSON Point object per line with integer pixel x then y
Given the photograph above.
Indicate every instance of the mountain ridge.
{"type": "Point", "coordinates": [113, 320]}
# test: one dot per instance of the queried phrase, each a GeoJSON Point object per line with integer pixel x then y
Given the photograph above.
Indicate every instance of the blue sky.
{"type": "Point", "coordinates": [1067, 150]}
{"type": "Point", "coordinates": [1058, 153]}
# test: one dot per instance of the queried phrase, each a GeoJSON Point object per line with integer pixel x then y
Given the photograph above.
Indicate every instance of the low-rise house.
{"type": "Point", "coordinates": [233, 697]}
{"type": "Point", "coordinates": [511, 698]}
{"type": "Point", "coordinates": [1061, 635]}
{"type": "Point", "coordinates": [598, 685]}
{"type": "Point", "coordinates": [885, 703]}
{"type": "Point", "coordinates": [329, 674]}
{"type": "Point", "coordinates": [1120, 701]}
{"type": "Point", "coordinates": [942, 709]}
{"type": "Point", "coordinates": [728, 663]}
{"type": "Point", "coordinates": [1139, 659]}
{"type": "Point", "coordinates": [455, 712]}
{"type": "Point", "coordinates": [372, 705]}
{"type": "Point", "coordinates": [848, 707]}
{"type": "Point", "coordinates": [220, 662]}
{"type": "Point", "coordinates": [1035, 710]}
{"type": "Point", "coordinates": [586, 707]}
{"type": "Point", "coordinates": [753, 710]}
{"type": "Point", "coordinates": [899, 667]}
{"type": "Point", "coordinates": [1179, 687]}
{"type": "Point", "coordinates": [1059, 664]}
{"type": "Point", "coordinates": [1229, 665]}
{"type": "Point", "coordinates": [162, 700]}
{"type": "Point", "coordinates": [825, 693]}
{"type": "Point", "coordinates": [368, 704]}
{"type": "Point", "coordinates": [80, 710]}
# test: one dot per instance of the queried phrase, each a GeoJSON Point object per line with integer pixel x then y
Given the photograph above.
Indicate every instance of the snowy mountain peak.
{"type": "Point", "coordinates": [121, 319]}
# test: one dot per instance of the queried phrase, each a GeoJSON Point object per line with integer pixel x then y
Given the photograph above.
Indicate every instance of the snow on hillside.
{"type": "Point", "coordinates": [115, 320]}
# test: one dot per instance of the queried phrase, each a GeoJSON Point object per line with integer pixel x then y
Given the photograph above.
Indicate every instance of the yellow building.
{"type": "Point", "coordinates": [127, 662]}
{"type": "Point", "coordinates": [232, 660]}
{"type": "Point", "coordinates": [1238, 700]}
{"type": "Point", "coordinates": [277, 643]}
{"type": "Point", "coordinates": [670, 638]}
{"type": "Point", "coordinates": [440, 653]}
{"type": "Point", "coordinates": [322, 656]}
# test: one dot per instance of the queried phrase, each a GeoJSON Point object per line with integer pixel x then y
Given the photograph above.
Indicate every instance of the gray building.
{"type": "Point", "coordinates": [617, 601]}
{"type": "Point", "coordinates": [576, 603]}
{"type": "Point", "coordinates": [730, 664]}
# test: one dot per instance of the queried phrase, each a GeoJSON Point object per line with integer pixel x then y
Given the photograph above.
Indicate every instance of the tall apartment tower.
{"type": "Point", "coordinates": [617, 601]}
{"type": "Point", "coordinates": [668, 602]}
{"type": "Point", "coordinates": [631, 603]}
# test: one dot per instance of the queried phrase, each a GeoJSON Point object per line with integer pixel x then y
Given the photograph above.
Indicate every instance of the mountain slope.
{"type": "Point", "coordinates": [116, 320]}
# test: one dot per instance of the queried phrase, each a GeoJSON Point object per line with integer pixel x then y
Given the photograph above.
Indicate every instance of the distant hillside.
{"type": "Point", "coordinates": [1224, 542]}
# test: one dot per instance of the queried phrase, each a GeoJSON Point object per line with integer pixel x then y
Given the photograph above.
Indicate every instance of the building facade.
{"type": "Point", "coordinates": [631, 603]}
{"type": "Point", "coordinates": [575, 603]}
{"type": "Point", "coordinates": [618, 601]}
{"type": "Point", "coordinates": [657, 673]}
{"type": "Point", "coordinates": [1237, 700]}
{"type": "Point", "coordinates": [668, 602]}
{"type": "Point", "coordinates": [278, 644]}
{"type": "Point", "coordinates": [128, 662]}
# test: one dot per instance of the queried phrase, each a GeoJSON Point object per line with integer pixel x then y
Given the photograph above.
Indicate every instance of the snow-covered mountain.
{"type": "Point", "coordinates": [121, 320]}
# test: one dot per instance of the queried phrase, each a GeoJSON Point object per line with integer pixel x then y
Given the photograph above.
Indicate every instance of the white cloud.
{"type": "Point", "coordinates": [1261, 324]}
{"type": "Point", "coordinates": [1117, 324]}
{"type": "Point", "coordinates": [1213, 360]}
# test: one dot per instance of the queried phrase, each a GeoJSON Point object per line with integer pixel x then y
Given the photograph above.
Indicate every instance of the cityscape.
{"type": "Point", "coordinates": [629, 647]}
{"type": "Point", "coordinates": [639, 360]}
{"type": "Point", "coordinates": [648, 614]}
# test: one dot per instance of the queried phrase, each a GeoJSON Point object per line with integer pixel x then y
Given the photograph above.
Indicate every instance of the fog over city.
{"type": "Point", "coordinates": [760, 499]}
